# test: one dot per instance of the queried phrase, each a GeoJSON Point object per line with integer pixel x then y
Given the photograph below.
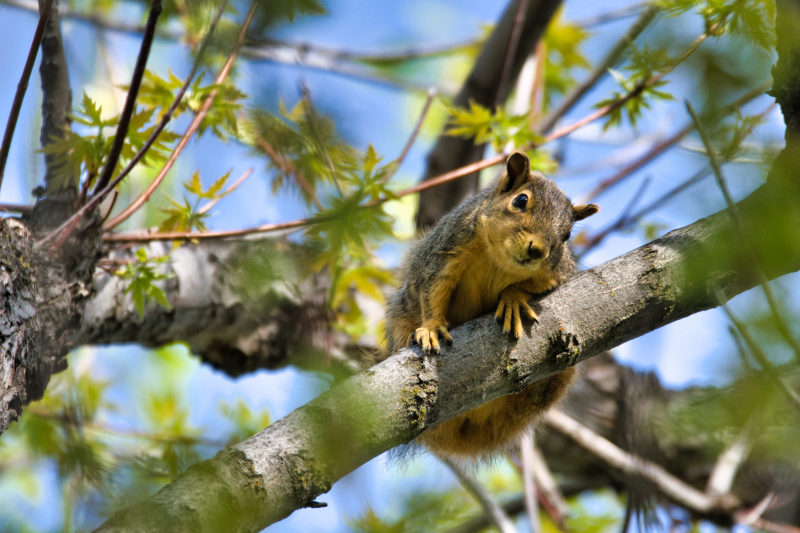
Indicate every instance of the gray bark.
{"type": "Point", "coordinates": [236, 322]}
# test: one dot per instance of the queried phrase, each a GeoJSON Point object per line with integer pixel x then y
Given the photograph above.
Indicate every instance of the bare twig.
{"type": "Point", "coordinates": [759, 355]}
{"type": "Point", "coordinates": [724, 472]}
{"type": "Point", "coordinates": [738, 225]}
{"type": "Point", "coordinates": [493, 511]}
{"type": "Point", "coordinates": [625, 221]}
{"type": "Point", "coordinates": [661, 146]}
{"type": "Point", "coordinates": [601, 69]}
{"type": "Point", "coordinates": [672, 487]}
{"type": "Point", "coordinates": [422, 114]}
{"type": "Point", "coordinates": [529, 481]}
{"type": "Point", "coordinates": [198, 118]}
{"type": "Point", "coordinates": [22, 86]}
{"type": "Point", "coordinates": [16, 208]}
{"type": "Point", "coordinates": [147, 236]}
{"type": "Point", "coordinates": [288, 167]}
{"type": "Point", "coordinates": [62, 232]}
{"type": "Point", "coordinates": [130, 99]}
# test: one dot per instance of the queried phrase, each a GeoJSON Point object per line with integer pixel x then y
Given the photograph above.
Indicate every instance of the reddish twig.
{"type": "Point", "coordinates": [22, 86]}
{"type": "Point", "coordinates": [198, 118]}
{"type": "Point", "coordinates": [147, 236]}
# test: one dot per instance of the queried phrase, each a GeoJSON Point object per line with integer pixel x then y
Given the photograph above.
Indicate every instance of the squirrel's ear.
{"type": "Point", "coordinates": [582, 211]}
{"type": "Point", "coordinates": [518, 167]}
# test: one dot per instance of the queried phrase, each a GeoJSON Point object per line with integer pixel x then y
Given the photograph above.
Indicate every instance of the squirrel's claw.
{"type": "Point", "coordinates": [514, 303]}
{"type": "Point", "coordinates": [428, 337]}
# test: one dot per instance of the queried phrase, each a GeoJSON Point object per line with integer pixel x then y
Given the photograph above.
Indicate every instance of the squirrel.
{"type": "Point", "coordinates": [491, 253]}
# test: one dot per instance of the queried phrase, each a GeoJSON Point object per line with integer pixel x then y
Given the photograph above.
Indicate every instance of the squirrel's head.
{"type": "Point", "coordinates": [527, 220]}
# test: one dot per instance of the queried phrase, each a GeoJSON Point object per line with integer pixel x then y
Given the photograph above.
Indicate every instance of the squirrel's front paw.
{"type": "Point", "coordinates": [513, 304]}
{"type": "Point", "coordinates": [427, 336]}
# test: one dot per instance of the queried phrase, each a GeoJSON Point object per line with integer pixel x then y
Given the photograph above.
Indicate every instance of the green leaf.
{"type": "Point", "coordinates": [498, 128]}
{"type": "Point", "coordinates": [141, 276]}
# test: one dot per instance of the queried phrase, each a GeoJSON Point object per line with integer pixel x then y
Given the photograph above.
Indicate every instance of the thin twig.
{"type": "Point", "coordinates": [198, 118]}
{"type": "Point", "coordinates": [611, 58]}
{"type": "Point", "coordinates": [655, 151]}
{"type": "Point", "coordinates": [672, 487]}
{"type": "Point", "coordinates": [626, 221]}
{"type": "Point", "coordinates": [288, 167]}
{"type": "Point", "coordinates": [759, 355]}
{"type": "Point", "coordinates": [148, 236]}
{"type": "Point", "coordinates": [738, 225]}
{"type": "Point", "coordinates": [410, 142]}
{"type": "Point", "coordinates": [661, 146]}
{"type": "Point", "coordinates": [130, 100]}
{"type": "Point", "coordinates": [727, 465]}
{"type": "Point", "coordinates": [63, 231]}
{"type": "Point", "coordinates": [16, 208]}
{"type": "Point", "coordinates": [493, 511]}
{"type": "Point", "coordinates": [529, 480]}
{"type": "Point", "coordinates": [22, 86]}
{"type": "Point", "coordinates": [229, 190]}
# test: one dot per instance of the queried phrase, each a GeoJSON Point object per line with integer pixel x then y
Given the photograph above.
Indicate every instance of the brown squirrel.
{"type": "Point", "coordinates": [492, 252]}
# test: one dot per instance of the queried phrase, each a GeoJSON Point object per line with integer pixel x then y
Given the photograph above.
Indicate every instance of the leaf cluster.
{"type": "Point", "coordinates": [189, 215]}
{"type": "Point", "coordinates": [141, 276]}
{"type": "Point", "coordinates": [751, 19]}
{"type": "Point", "coordinates": [346, 188]}
{"type": "Point", "coordinates": [158, 94]}
{"type": "Point", "coordinates": [643, 63]}
{"type": "Point", "coordinates": [497, 128]}
{"type": "Point", "coordinates": [80, 157]}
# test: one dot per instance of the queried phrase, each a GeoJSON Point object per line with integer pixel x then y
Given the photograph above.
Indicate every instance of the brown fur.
{"type": "Point", "coordinates": [488, 255]}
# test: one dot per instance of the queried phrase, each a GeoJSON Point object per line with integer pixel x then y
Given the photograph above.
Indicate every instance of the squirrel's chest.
{"type": "Point", "coordinates": [478, 291]}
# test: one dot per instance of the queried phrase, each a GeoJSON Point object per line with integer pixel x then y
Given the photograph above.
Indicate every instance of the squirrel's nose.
{"type": "Point", "coordinates": [535, 251]}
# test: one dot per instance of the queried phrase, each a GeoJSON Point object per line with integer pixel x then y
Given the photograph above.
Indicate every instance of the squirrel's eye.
{"type": "Point", "coordinates": [520, 202]}
{"type": "Point", "coordinates": [566, 236]}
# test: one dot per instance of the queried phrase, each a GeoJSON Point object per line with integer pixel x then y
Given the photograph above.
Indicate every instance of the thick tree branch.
{"type": "Point", "coordinates": [293, 461]}
{"type": "Point", "coordinates": [218, 312]}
